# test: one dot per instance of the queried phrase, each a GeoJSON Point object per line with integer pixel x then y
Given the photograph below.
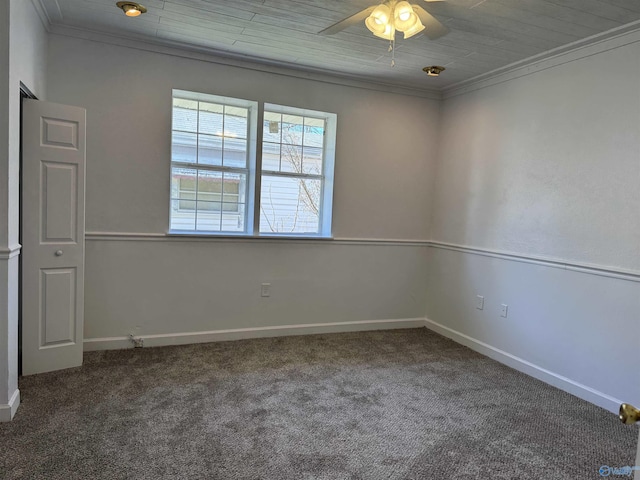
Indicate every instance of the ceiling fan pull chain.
{"type": "Point", "coordinates": [392, 42]}
{"type": "Point", "coordinates": [392, 49]}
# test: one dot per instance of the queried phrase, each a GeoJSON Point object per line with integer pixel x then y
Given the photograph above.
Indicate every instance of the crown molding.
{"type": "Point", "coordinates": [51, 16]}
{"type": "Point", "coordinates": [49, 12]}
{"type": "Point", "coordinates": [602, 42]}
{"type": "Point", "coordinates": [184, 50]}
{"type": "Point", "coordinates": [42, 14]}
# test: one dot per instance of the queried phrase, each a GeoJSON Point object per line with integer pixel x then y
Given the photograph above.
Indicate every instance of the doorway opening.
{"type": "Point", "coordinates": [24, 93]}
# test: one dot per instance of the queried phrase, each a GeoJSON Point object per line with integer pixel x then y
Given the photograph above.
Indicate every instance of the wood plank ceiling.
{"type": "Point", "coordinates": [484, 34]}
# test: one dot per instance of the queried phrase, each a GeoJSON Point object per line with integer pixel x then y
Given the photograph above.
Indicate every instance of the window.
{"type": "Point", "coordinates": [214, 189]}
{"type": "Point", "coordinates": [297, 171]}
{"type": "Point", "coordinates": [211, 163]}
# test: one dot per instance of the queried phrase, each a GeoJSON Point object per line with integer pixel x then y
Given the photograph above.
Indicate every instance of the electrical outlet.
{"type": "Point", "coordinates": [504, 308]}
{"type": "Point", "coordinates": [479, 302]}
{"type": "Point", "coordinates": [265, 290]}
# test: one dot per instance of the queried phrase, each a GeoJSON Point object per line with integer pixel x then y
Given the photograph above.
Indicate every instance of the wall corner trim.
{"type": "Point", "coordinates": [563, 383]}
{"type": "Point", "coordinates": [8, 411]}
{"type": "Point", "coordinates": [185, 338]}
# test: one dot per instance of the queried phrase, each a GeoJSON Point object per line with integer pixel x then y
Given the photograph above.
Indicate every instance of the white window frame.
{"type": "Point", "coordinates": [254, 166]}
{"type": "Point", "coordinates": [250, 170]}
{"type": "Point", "coordinates": [325, 213]}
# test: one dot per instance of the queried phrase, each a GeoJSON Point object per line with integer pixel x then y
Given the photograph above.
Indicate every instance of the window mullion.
{"type": "Point", "coordinates": [224, 119]}
{"type": "Point", "coordinates": [302, 147]}
{"type": "Point", "coordinates": [198, 160]}
{"type": "Point", "coordinates": [321, 211]}
{"type": "Point", "coordinates": [258, 175]}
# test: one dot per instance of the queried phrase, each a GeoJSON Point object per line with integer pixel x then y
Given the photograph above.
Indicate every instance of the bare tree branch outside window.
{"type": "Point", "coordinates": [309, 190]}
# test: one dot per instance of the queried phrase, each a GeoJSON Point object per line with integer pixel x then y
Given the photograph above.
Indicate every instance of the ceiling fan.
{"type": "Point", "coordinates": [393, 15]}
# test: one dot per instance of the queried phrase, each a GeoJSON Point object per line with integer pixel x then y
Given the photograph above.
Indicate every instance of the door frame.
{"type": "Point", "coordinates": [25, 92]}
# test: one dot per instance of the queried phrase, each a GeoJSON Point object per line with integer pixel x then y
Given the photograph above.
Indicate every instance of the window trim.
{"type": "Point", "coordinates": [325, 215]}
{"type": "Point", "coordinates": [254, 172]}
{"type": "Point", "coordinates": [249, 170]}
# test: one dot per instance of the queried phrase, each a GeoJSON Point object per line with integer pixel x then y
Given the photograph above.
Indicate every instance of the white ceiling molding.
{"type": "Point", "coordinates": [49, 11]}
{"type": "Point", "coordinates": [51, 15]}
{"type": "Point", "coordinates": [614, 38]}
{"type": "Point", "coordinates": [481, 37]}
{"type": "Point", "coordinates": [42, 13]}
{"type": "Point", "coordinates": [178, 49]}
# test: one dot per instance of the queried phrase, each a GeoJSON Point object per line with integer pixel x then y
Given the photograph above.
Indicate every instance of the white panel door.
{"type": "Point", "coordinates": [53, 166]}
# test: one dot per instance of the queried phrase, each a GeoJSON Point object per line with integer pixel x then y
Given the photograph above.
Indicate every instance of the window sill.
{"type": "Point", "coordinates": [244, 236]}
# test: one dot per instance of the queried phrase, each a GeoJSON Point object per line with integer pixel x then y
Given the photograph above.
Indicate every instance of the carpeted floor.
{"type": "Point", "coordinates": [403, 404]}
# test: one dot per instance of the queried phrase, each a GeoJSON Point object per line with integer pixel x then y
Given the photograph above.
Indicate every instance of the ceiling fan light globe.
{"type": "Point", "coordinates": [388, 33]}
{"type": "Point", "coordinates": [373, 26]}
{"type": "Point", "coordinates": [415, 29]}
{"type": "Point", "coordinates": [402, 10]}
{"type": "Point", "coordinates": [408, 25]}
{"type": "Point", "coordinates": [404, 16]}
{"type": "Point", "coordinates": [382, 14]}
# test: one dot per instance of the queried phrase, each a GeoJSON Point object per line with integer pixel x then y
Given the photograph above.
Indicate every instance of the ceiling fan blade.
{"type": "Point", "coordinates": [433, 28]}
{"type": "Point", "coordinates": [347, 22]}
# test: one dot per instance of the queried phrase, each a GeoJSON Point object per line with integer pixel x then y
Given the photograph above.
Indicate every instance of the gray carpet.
{"type": "Point", "coordinates": [404, 404]}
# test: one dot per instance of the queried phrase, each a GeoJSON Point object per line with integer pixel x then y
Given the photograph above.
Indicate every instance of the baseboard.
{"type": "Point", "coordinates": [160, 340]}
{"type": "Point", "coordinates": [8, 410]}
{"type": "Point", "coordinates": [115, 343]}
{"type": "Point", "coordinates": [563, 383]}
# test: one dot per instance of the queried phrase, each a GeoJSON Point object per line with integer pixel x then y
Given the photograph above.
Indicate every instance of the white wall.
{"type": "Point", "coordinates": [541, 167]}
{"type": "Point", "coordinates": [382, 181]}
{"type": "Point", "coordinates": [198, 286]}
{"type": "Point", "coordinates": [23, 44]}
{"type": "Point", "coordinates": [382, 191]}
{"type": "Point", "coordinates": [29, 66]}
{"type": "Point", "coordinates": [4, 122]}
{"type": "Point", "coordinates": [546, 165]}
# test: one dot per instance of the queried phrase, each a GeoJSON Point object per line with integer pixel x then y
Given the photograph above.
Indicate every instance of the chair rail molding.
{"type": "Point", "coordinates": [591, 269]}
{"type": "Point", "coordinates": [10, 252]}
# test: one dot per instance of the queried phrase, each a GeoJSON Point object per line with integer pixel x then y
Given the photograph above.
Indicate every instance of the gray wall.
{"type": "Point", "coordinates": [533, 203]}
{"type": "Point", "coordinates": [151, 285]}
{"type": "Point", "coordinates": [541, 171]}
{"type": "Point", "coordinates": [22, 59]}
